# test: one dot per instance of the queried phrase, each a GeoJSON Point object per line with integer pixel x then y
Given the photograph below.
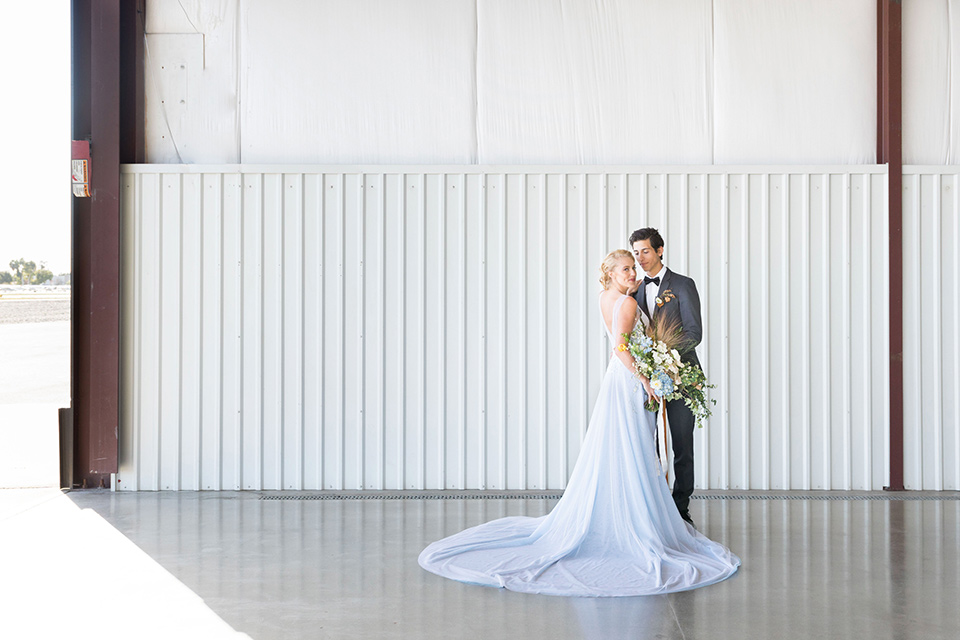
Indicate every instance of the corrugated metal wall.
{"type": "Point", "coordinates": [304, 327]}
{"type": "Point", "coordinates": [931, 327]}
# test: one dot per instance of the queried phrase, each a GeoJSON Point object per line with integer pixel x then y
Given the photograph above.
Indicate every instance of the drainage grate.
{"type": "Point", "coordinates": [831, 496]}
{"type": "Point", "coordinates": [414, 496]}
{"type": "Point", "coordinates": [442, 495]}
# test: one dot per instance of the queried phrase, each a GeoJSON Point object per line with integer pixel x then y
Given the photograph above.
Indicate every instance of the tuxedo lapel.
{"type": "Point", "coordinates": [664, 286]}
{"type": "Point", "coordinates": [641, 298]}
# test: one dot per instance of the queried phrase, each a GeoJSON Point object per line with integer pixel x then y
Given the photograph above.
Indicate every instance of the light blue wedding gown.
{"type": "Point", "coordinates": [615, 531]}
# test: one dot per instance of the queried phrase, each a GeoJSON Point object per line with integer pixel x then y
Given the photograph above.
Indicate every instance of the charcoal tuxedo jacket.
{"type": "Point", "coordinates": [683, 307]}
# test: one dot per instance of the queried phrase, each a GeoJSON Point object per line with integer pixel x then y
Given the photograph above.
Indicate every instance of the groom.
{"type": "Point", "coordinates": [671, 297]}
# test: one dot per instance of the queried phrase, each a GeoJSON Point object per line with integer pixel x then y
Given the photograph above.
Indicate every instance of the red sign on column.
{"type": "Point", "coordinates": [80, 167]}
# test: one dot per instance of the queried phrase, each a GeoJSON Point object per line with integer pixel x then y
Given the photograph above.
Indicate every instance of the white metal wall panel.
{"type": "Point", "coordinates": [931, 80]}
{"type": "Point", "coordinates": [931, 327]}
{"type": "Point", "coordinates": [304, 327]}
{"type": "Point", "coordinates": [500, 81]}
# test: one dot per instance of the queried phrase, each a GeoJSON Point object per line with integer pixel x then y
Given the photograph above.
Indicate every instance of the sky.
{"type": "Point", "coordinates": [35, 144]}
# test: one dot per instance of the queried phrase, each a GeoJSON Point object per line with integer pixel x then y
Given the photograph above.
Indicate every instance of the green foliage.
{"type": "Point", "coordinates": [26, 272]}
{"type": "Point", "coordinates": [6, 277]}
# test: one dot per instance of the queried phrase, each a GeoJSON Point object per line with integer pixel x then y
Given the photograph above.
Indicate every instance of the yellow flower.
{"type": "Point", "coordinates": [622, 347]}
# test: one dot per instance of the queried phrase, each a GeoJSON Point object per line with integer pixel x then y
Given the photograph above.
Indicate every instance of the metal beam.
{"type": "Point", "coordinates": [890, 152]}
{"type": "Point", "coordinates": [107, 89]}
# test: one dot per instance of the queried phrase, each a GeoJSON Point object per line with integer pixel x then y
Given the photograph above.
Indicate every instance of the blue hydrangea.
{"type": "Point", "coordinates": [661, 383]}
{"type": "Point", "coordinates": [646, 344]}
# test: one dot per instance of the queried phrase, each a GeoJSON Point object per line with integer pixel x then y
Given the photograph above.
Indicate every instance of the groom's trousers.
{"type": "Point", "coordinates": [681, 431]}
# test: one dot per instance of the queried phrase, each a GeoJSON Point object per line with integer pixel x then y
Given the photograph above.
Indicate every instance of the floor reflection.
{"type": "Point", "coordinates": [347, 569]}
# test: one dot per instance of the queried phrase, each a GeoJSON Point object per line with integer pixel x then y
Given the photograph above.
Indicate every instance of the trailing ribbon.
{"type": "Point", "coordinates": [662, 449]}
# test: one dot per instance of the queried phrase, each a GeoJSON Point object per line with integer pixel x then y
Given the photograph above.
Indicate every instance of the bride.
{"type": "Point", "coordinates": [616, 530]}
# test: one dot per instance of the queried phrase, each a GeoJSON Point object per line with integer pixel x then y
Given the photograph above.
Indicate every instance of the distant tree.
{"type": "Point", "coordinates": [17, 267]}
{"type": "Point", "coordinates": [6, 277]}
{"type": "Point", "coordinates": [26, 272]}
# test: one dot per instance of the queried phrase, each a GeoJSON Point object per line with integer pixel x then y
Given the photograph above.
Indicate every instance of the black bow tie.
{"type": "Point", "coordinates": [647, 280]}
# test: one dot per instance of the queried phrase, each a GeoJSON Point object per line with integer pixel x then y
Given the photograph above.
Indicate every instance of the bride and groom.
{"type": "Point", "coordinates": [617, 530]}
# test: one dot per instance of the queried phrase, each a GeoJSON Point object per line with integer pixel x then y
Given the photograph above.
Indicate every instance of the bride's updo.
{"type": "Point", "coordinates": [610, 263]}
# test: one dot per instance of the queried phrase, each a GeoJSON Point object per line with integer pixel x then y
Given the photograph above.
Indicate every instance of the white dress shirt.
{"type": "Point", "coordinates": [651, 290]}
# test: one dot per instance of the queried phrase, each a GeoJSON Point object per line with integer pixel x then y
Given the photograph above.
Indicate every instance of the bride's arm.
{"type": "Point", "coordinates": [625, 322]}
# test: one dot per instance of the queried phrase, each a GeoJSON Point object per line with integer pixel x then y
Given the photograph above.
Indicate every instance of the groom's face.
{"type": "Point", "coordinates": [648, 258]}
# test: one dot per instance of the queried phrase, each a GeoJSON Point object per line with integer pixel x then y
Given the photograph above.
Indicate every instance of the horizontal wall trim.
{"type": "Point", "coordinates": [479, 169]}
{"type": "Point", "coordinates": [930, 169]}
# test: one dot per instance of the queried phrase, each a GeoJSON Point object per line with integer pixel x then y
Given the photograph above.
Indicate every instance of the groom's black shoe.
{"type": "Point", "coordinates": [686, 518]}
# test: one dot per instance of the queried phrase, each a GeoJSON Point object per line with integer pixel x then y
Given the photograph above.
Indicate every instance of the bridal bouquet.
{"type": "Point", "coordinates": [655, 351]}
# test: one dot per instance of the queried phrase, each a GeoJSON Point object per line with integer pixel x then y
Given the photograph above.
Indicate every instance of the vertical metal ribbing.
{"type": "Point", "coordinates": [382, 331]}
{"type": "Point", "coordinates": [888, 373]}
{"type": "Point", "coordinates": [441, 313]}
{"type": "Point", "coordinates": [484, 422]}
{"type": "Point", "coordinates": [765, 331]}
{"type": "Point", "coordinates": [584, 342]}
{"type": "Point", "coordinates": [523, 296]}
{"type": "Point", "coordinates": [544, 444]}
{"type": "Point", "coordinates": [462, 453]}
{"type": "Point", "coordinates": [279, 283]}
{"type": "Point", "coordinates": [402, 332]}
{"type": "Point", "coordinates": [216, 452]}
{"type": "Point", "coordinates": [624, 214]}
{"type": "Point", "coordinates": [138, 335]}
{"type": "Point", "coordinates": [865, 241]}
{"type": "Point", "coordinates": [281, 328]}
{"type": "Point", "coordinates": [805, 328]}
{"type": "Point", "coordinates": [361, 324]}
{"type": "Point", "coordinates": [178, 479]}
{"type": "Point", "coordinates": [955, 184]}
{"type": "Point", "coordinates": [503, 333]}
{"type": "Point", "coordinates": [936, 348]}
{"type": "Point", "coordinates": [342, 308]}
{"type": "Point", "coordinates": [301, 433]}
{"type": "Point", "coordinates": [705, 296]}
{"type": "Point", "coordinates": [422, 433]}
{"type": "Point", "coordinates": [823, 303]}
{"type": "Point", "coordinates": [683, 214]}
{"type": "Point", "coordinates": [237, 453]}
{"type": "Point", "coordinates": [745, 339]}
{"type": "Point", "coordinates": [847, 325]}
{"type": "Point", "coordinates": [914, 343]}
{"type": "Point", "coordinates": [725, 332]}
{"type": "Point", "coordinates": [564, 365]}
{"type": "Point", "coordinates": [157, 444]}
{"type": "Point", "coordinates": [664, 208]}
{"type": "Point", "coordinates": [785, 288]}
{"type": "Point", "coordinates": [240, 296]}
{"type": "Point", "coordinates": [321, 450]}
{"type": "Point", "coordinates": [605, 234]}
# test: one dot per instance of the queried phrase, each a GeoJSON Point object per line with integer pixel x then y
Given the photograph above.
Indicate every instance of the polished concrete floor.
{"type": "Point", "coordinates": [812, 568]}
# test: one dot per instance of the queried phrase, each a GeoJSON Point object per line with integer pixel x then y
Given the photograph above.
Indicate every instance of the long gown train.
{"type": "Point", "coordinates": [615, 531]}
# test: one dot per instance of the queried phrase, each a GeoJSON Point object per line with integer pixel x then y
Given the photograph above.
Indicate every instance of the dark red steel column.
{"type": "Point", "coordinates": [890, 152]}
{"type": "Point", "coordinates": [107, 89]}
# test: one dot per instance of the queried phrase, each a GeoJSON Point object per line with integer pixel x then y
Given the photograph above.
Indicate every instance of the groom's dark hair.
{"type": "Point", "coordinates": [647, 233]}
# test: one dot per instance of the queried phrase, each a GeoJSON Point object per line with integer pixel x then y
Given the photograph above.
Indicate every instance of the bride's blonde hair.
{"type": "Point", "coordinates": [610, 263]}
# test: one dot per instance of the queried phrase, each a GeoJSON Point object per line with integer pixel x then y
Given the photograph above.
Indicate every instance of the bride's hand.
{"type": "Point", "coordinates": [646, 387]}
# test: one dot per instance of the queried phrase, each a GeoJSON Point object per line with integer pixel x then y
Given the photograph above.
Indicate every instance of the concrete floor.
{"type": "Point", "coordinates": [348, 569]}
